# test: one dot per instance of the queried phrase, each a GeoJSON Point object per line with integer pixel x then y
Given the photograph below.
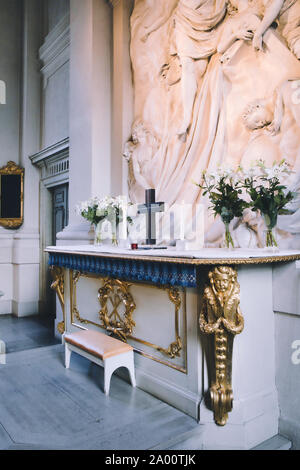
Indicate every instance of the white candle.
{"type": "Point", "coordinates": [123, 224]}
{"type": "Point", "coordinates": [182, 222]}
{"type": "Point", "coordinates": [200, 225]}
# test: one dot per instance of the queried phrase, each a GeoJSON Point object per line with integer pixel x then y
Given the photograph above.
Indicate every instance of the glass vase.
{"type": "Point", "coordinates": [270, 239]}
{"type": "Point", "coordinates": [106, 234]}
{"type": "Point", "coordinates": [114, 239]}
{"type": "Point", "coordinates": [228, 240]}
{"type": "Point", "coordinates": [97, 235]}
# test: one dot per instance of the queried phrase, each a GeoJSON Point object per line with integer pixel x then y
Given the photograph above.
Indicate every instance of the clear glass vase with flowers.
{"type": "Point", "coordinates": [111, 209]}
{"type": "Point", "coordinates": [224, 189]}
{"type": "Point", "coordinates": [269, 195]}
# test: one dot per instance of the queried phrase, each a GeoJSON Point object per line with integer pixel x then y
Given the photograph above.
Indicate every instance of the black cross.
{"type": "Point", "coordinates": [150, 208]}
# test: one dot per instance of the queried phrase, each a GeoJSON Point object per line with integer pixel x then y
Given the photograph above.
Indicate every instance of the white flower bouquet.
{"type": "Point", "coordinates": [224, 188]}
{"type": "Point", "coordinates": [260, 189]}
{"type": "Point", "coordinates": [112, 209]}
{"type": "Point", "coordinates": [268, 194]}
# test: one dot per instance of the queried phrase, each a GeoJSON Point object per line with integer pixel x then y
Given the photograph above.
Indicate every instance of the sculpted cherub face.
{"type": "Point", "coordinates": [221, 282]}
{"type": "Point", "coordinates": [139, 134]}
{"type": "Point", "coordinates": [222, 278]}
{"type": "Point", "coordinates": [257, 115]}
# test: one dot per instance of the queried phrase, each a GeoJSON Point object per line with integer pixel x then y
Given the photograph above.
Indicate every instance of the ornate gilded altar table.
{"type": "Point", "coordinates": [182, 312]}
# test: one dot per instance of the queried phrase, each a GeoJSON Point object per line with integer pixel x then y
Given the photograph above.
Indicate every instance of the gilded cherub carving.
{"type": "Point", "coordinates": [222, 317]}
{"type": "Point", "coordinates": [221, 302]}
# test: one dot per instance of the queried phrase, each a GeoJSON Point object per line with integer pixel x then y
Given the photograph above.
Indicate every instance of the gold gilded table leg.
{"type": "Point", "coordinates": [221, 316]}
{"type": "Point", "coordinates": [58, 285]}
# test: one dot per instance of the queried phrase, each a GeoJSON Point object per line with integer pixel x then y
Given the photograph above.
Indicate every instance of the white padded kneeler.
{"type": "Point", "coordinates": [102, 350]}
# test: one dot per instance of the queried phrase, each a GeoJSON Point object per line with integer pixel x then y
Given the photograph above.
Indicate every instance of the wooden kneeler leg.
{"type": "Point", "coordinates": [108, 371]}
{"type": "Point", "coordinates": [132, 372]}
{"type": "Point", "coordinates": [103, 350]}
{"type": "Point", "coordinates": [68, 353]}
{"type": "Point", "coordinates": [113, 363]}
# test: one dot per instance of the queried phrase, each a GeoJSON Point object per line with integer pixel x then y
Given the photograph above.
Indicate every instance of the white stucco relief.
{"type": "Point", "coordinates": [209, 90]}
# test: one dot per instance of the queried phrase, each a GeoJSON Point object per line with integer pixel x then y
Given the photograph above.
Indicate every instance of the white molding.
{"type": "Point", "coordinates": [55, 51]}
{"type": "Point", "coordinates": [58, 180]}
{"type": "Point", "coordinates": [182, 399]}
{"type": "Point", "coordinates": [290, 428]}
{"type": "Point", "coordinates": [284, 300]}
{"type": "Point", "coordinates": [54, 163]}
{"type": "Point", "coordinates": [55, 149]}
{"type": "Point", "coordinates": [25, 309]}
{"type": "Point", "coordinates": [5, 307]}
{"type": "Point", "coordinates": [253, 420]}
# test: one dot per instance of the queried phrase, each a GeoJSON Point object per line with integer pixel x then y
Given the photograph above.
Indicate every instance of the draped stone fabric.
{"type": "Point", "coordinates": [227, 82]}
{"type": "Point", "coordinates": [289, 24]}
{"type": "Point", "coordinates": [286, 5]}
{"type": "Point", "coordinates": [194, 25]}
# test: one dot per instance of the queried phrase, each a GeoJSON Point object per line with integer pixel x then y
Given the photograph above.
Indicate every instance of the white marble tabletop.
{"type": "Point", "coordinates": [208, 254]}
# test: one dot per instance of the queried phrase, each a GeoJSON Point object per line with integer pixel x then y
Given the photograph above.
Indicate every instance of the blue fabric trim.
{"type": "Point", "coordinates": [158, 273]}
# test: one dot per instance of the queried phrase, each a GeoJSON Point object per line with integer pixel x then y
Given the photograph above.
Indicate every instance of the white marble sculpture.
{"type": "Point", "coordinates": [211, 82]}
{"type": "Point", "coordinates": [192, 38]}
{"type": "Point", "coordinates": [139, 152]}
{"type": "Point", "coordinates": [287, 12]}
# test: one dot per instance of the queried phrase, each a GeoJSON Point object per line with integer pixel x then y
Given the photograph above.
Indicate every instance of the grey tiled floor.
{"type": "Point", "coordinates": [20, 334]}
{"type": "Point", "coordinates": [45, 406]}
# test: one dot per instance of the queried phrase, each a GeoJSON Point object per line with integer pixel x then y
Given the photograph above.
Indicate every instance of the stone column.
{"type": "Point", "coordinates": [26, 247]}
{"type": "Point", "coordinates": [19, 251]}
{"type": "Point", "coordinates": [10, 67]}
{"type": "Point", "coordinates": [90, 109]}
{"type": "Point", "coordinates": [122, 92]}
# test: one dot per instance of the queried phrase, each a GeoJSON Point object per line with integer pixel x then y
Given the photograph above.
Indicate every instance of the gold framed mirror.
{"type": "Point", "coordinates": [11, 195]}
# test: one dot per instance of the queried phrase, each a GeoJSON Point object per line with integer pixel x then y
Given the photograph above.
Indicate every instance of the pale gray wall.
{"type": "Point", "coordinates": [56, 107]}
{"type": "Point", "coordinates": [10, 70]}
{"type": "Point", "coordinates": [56, 94]}
{"type": "Point", "coordinates": [288, 376]}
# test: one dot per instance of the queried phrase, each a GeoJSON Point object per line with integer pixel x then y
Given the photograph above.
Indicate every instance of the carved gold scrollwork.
{"type": "Point", "coordinates": [117, 294]}
{"type": "Point", "coordinates": [221, 316]}
{"type": "Point", "coordinates": [114, 295]}
{"type": "Point", "coordinates": [58, 285]}
{"type": "Point", "coordinates": [74, 278]}
{"type": "Point", "coordinates": [174, 349]}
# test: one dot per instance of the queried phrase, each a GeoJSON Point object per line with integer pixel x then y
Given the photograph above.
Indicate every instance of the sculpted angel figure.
{"type": "Point", "coordinates": [242, 23]}
{"type": "Point", "coordinates": [139, 152]}
{"type": "Point", "coordinates": [287, 13]}
{"type": "Point", "coordinates": [287, 98]}
{"type": "Point", "coordinates": [193, 39]}
{"type": "Point", "coordinates": [258, 118]}
{"type": "Point", "coordinates": [274, 123]}
{"type": "Point", "coordinates": [180, 40]}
